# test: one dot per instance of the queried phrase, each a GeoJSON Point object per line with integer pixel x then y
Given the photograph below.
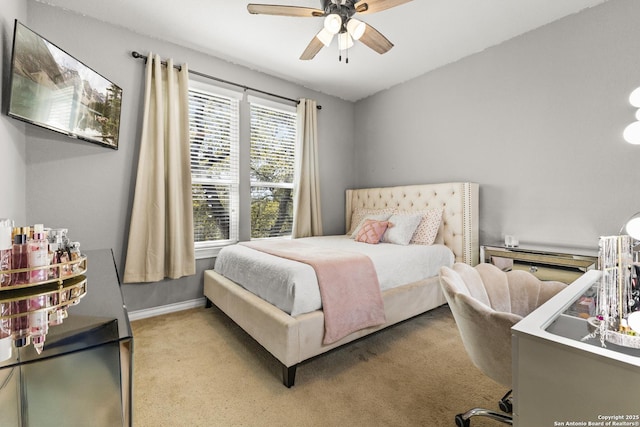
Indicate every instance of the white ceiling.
{"type": "Point", "coordinates": [427, 34]}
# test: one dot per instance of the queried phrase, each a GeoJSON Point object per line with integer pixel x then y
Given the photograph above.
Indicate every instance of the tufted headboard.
{"type": "Point", "coordinates": [459, 228]}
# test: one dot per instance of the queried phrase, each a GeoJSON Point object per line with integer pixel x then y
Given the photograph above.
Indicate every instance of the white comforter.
{"type": "Point", "coordinates": [292, 286]}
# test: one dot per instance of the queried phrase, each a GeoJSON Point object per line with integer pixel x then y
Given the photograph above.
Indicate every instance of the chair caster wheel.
{"type": "Point", "coordinates": [461, 422]}
{"type": "Point", "coordinates": [506, 406]}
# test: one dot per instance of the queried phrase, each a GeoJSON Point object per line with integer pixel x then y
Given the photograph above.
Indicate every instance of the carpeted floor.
{"type": "Point", "coordinates": [197, 368]}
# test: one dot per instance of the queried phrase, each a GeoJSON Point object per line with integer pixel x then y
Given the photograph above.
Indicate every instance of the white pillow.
{"type": "Point", "coordinates": [401, 228]}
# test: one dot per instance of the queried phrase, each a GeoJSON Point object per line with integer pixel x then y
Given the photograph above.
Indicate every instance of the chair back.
{"type": "Point", "coordinates": [486, 302]}
{"type": "Point", "coordinates": [485, 332]}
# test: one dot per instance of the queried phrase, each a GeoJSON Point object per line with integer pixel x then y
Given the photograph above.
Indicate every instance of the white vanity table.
{"type": "Point", "coordinates": [561, 380]}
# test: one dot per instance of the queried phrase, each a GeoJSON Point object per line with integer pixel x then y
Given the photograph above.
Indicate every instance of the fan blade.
{"type": "Point", "coordinates": [373, 6]}
{"type": "Point", "coordinates": [312, 49]}
{"type": "Point", "coordinates": [273, 9]}
{"type": "Point", "coordinates": [375, 40]}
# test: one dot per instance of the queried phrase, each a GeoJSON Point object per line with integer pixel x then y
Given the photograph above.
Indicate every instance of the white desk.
{"type": "Point", "coordinates": [559, 379]}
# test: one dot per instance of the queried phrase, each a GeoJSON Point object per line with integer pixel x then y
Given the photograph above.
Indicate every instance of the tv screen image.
{"type": "Point", "coordinates": [52, 89]}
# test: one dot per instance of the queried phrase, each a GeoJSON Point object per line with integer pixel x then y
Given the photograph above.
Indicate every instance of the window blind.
{"type": "Point", "coordinates": [273, 143]}
{"type": "Point", "coordinates": [214, 141]}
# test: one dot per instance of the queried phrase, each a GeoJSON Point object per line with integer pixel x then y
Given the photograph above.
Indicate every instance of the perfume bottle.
{"type": "Point", "coordinates": [5, 322]}
{"type": "Point", "coordinates": [20, 323]}
{"type": "Point", "coordinates": [6, 346]}
{"type": "Point", "coordinates": [53, 270]}
{"type": "Point", "coordinates": [19, 256]}
{"type": "Point", "coordinates": [61, 255]}
{"type": "Point", "coordinates": [58, 316]}
{"type": "Point", "coordinates": [38, 322]}
{"type": "Point", "coordinates": [5, 280]}
{"type": "Point", "coordinates": [5, 252]}
{"type": "Point", "coordinates": [55, 316]}
{"type": "Point", "coordinates": [20, 260]}
{"type": "Point", "coordinates": [74, 253]}
{"type": "Point", "coordinates": [38, 255]}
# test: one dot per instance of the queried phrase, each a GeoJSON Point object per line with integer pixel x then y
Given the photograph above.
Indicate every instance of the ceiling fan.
{"type": "Point", "coordinates": [338, 19]}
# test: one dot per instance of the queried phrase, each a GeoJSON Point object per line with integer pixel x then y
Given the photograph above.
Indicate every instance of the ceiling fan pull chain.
{"type": "Point", "coordinates": [346, 56]}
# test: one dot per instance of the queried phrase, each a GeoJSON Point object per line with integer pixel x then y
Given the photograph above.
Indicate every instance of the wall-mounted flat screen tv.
{"type": "Point", "coordinates": [52, 89]}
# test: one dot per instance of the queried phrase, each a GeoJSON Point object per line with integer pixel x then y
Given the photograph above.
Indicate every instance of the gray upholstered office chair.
{"type": "Point", "coordinates": [486, 302]}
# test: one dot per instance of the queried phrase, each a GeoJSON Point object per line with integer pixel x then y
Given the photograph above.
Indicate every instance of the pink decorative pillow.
{"type": "Point", "coordinates": [371, 231]}
{"type": "Point", "coordinates": [428, 228]}
{"type": "Point", "coordinates": [359, 215]}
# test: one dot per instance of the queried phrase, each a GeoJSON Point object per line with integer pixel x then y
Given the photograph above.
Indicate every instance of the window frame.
{"type": "Point", "coordinates": [287, 109]}
{"type": "Point", "coordinates": [210, 248]}
{"type": "Point", "coordinates": [243, 202]}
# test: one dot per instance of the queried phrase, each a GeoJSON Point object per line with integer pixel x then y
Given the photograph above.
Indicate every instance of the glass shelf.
{"type": "Point", "coordinates": [27, 310]}
{"type": "Point", "coordinates": [56, 273]}
{"type": "Point", "coordinates": [56, 296]}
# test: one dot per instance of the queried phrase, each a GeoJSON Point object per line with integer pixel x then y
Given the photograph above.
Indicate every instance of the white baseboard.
{"type": "Point", "coordinates": [165, 309]}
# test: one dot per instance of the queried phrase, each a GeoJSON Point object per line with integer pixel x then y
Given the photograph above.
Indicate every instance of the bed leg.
{"type": "Point", "coordinates": [208, 303]}
{"type": "Point", "coordinates": [289, 375]}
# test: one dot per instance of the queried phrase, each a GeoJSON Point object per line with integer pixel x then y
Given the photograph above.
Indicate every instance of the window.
{"type": "Point", "coordinates": [215, 127]}
{"type": "Point", "coordinates": [213, 133]}
{"type": "Point", "coordinates": [273, 141]}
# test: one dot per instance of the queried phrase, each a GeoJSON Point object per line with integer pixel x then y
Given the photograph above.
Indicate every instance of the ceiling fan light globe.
{"type": "Point", "coordinates": [356, 28]}
{"type": "Point", "coordinates": [631, 133]}
{"type": "Point", "coordinates": [333, 23]}
{"type": "Point", "coordinates": [634, 98]}
{"type": "Point", "coordinates": [344, 41]}
{"type": "Point", "coordinates": [325, 37]}
{"type": "Point", "coordinates": [633, 227]}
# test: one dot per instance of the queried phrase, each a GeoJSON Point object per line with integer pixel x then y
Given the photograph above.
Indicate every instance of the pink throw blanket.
{"type": "Point", "coordinates": [349, 288]}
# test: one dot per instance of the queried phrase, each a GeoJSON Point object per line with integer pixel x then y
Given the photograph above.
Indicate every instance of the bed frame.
{"type": "Point", "coordinates": [292, 340]}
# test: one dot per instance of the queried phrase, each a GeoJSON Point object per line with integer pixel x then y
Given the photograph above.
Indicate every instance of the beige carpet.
{"type": "Point", "coordinates": [197, 368]}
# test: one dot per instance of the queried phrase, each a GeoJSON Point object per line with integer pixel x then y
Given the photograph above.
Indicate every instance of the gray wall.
{"type": "Point", "coordinates": [12, 139]}
{"type": "Point", "coordinates": [537, 121]}
{"type": "Point", "coordinates": [89, 189]}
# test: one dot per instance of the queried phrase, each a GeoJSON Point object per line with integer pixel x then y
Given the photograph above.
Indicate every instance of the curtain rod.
{"type": "Point", "coordinates": [207, 76]}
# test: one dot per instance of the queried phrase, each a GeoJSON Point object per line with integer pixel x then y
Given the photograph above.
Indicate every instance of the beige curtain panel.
{"type": "Point", "coordinates": [161, 229]}
{"type": "Point", "coordinates": [307, 218]}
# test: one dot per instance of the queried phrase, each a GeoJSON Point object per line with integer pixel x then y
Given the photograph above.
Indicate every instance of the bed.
{"type": "Point", "coordinates": [294, 338]}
